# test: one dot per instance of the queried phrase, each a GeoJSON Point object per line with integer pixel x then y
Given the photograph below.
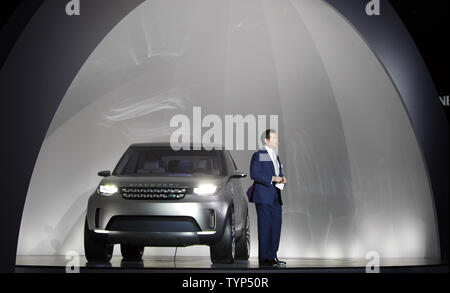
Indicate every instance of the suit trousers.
{"type": "Point", "coordinates": [269, 229]}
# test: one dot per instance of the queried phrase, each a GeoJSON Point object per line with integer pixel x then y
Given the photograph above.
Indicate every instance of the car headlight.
{"type": "Point", "coordinates": [107, 189]}
{"type": "Point", "coordinates": [205, 189]}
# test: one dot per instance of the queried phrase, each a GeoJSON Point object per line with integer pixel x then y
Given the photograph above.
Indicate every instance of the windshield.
{"type": "Point", "coordinates": [163, 161]}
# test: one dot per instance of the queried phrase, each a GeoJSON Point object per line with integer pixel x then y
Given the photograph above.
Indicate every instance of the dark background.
{"type": "Point", "coordinates": [428, 23]}
{"type": "Point", "coordinates": [7, 11]}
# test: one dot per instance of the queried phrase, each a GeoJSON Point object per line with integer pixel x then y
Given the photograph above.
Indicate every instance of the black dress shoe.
{"type": "Point", "coordinates": [268, 262]}
{"type": "Point", "coordinates": [279, 261]}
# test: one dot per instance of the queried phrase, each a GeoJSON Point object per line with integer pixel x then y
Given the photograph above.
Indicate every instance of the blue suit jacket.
{"type": "Point", "coordinates": [261, 171]}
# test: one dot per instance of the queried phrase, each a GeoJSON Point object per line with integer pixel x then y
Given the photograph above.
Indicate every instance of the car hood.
{"type": "Point", "coordinates": [142, 181]}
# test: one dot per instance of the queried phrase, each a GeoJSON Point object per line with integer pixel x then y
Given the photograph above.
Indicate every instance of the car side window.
{"type": "Point", "coordinates": [234, 164]}
{"type": "Point", "coordinates": [231, 166]}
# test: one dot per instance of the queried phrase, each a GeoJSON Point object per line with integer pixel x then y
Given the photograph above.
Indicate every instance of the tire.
{"type": "Point", "coordinates": [96, 248]}
{"type": "Point", "coordinates": [132, 252]}
{"type": "Point", "coordinates": [224, 250]}
{"type": "Point", "coordinates": [243, 243]}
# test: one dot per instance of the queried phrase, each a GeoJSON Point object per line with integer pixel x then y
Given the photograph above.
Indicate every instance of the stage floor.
{"type": "Point", "coordinates": [202, 264]}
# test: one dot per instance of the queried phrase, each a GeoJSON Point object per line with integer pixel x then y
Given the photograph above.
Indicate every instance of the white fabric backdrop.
{"type": "Point", "coordinates": [357, 180]}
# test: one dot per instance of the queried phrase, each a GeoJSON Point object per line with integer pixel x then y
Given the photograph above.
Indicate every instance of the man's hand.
{"type": "Point", "coordinates": [284, 180]}
{"type": "Point", "coordinates": [277, 179]}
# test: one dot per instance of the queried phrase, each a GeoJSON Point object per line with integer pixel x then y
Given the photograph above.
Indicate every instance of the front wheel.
{"type": "Point", "coordinates": [95, 247]}
{"type": "Point", "coordinates": [224, 250]}
{"type": "Point", "coordinates": [132, 252]}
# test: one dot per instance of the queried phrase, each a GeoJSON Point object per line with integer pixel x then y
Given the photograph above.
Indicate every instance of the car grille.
{"type": "Point", "coordinates": [153, 193]}
{"type": "Point", "coordinates": [153, 224]}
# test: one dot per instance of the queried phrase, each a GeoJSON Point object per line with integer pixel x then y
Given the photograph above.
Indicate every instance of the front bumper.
{"type": "Point", "coordinates": [189, 221]}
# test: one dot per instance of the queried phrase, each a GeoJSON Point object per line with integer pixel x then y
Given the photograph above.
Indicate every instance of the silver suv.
{"type": "Point", "coordinates": [157, 196]}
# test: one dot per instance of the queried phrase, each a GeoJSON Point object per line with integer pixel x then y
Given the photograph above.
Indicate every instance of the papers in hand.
{"type": "Point", "coordinates": [280, 186]}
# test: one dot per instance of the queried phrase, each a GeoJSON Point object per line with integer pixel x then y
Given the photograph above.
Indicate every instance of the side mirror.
{"type": "Point", "coordinates": [238, 174]}
{"type": "Point", "coordinates": [104, 173]}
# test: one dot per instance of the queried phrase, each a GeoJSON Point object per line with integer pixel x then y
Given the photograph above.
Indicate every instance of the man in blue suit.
{"type": "Point", "coordinates": [266, 171]}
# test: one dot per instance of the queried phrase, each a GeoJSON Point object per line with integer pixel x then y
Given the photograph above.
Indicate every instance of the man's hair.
{"type": "Point", "coordinates": [268, 132]}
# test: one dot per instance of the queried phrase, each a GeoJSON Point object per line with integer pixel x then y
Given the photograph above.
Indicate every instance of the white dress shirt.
{"type": "Point", "coordinates": [273, 156]}
{"type": "Point", "coordinates": [276, 165]}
